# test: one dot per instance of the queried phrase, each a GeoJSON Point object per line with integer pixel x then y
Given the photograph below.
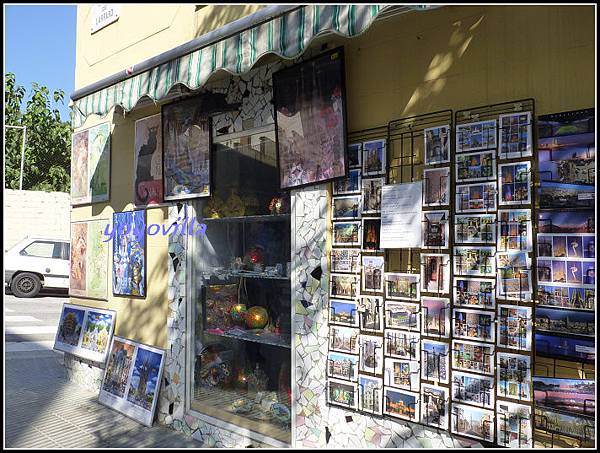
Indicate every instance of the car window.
{"type": "Point", "coordinates": [41, 249]}
{"type": "Point", "coordinates": [66, 251]}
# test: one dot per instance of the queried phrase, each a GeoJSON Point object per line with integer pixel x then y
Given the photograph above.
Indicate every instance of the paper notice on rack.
{"type": "Point", "coordinates": [401, 215]}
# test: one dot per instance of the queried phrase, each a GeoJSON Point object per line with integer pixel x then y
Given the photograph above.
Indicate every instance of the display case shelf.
{"type": "Point", "coordinates": [270, 339]}
{"type": "Point", "coordinates": [250, 218]}
{"type": "Point", "coordinates": [228, 274]}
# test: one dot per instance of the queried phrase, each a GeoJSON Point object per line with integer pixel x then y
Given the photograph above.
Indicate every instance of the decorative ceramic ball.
{"type": "Point", "coordinates": [238, 313]}
{"type": "Point", "coordinates": [257, 318]}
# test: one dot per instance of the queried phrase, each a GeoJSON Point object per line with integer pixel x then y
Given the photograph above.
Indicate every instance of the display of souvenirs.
{"type": "Point", "coordinates": [277, 206]}
{"type": "Point", "coordinates": [472, 422]}
{"type": "Point", "coordinates": [469, 356]}
{"type": "Point", "coordinates": [477, 261]}
{"type": "Point", "coordinates": [514, 327]}
{"type": "Point", "coordinates": [342, 366]}
{"type": "Point", "coordinates": [374, 157]}
{"type": "Point", "coordinates": [566, 297]}
{"type": "Point", "coordinates": [570, 322]}
{"type": "Point", "coordinates": [346, 233]}
{"type": "Point", "coordinates": [344, 285]}
{"type": "Point", "coordinates": [346, 207]}
{"type": "Point", "coordinates": [400, 344]}
{"type": "Point", "coordinates": [436, 316]}
{"type": "Point", "coordinates": [401, 373]}
{"type": "Point", "coordinates": [476, 136]}
{"type": "Point", "coordinates": [372, 273]}
{"type": "Point", "coordinates": [349, 185]}
{"type": "Point", "coordinates": [371, 354]}
{"type": "Point", "coordinates": [219, 301]}
{"type": "Point", "coordinates": [343, 339]}
{"type": "Point", "coordinates": [514, 276]}
{"type": "Point", "coordinates": [256, 318]}
{"type": "Point", "coordinates": [371, 195]}
{"type": "Point", "coordinates": [401, 315]}
{"type": "Point", "coordinates": [473, 324]}
{"type": "Point", "coordinates": [342, 393]}
{"type": "Point", "coordinates": [514, 183]}
{"type": "Point", "coordinates": [343, 312]}
{"type": "Point", "coordinates": [355, 155]}
{"type": "Point", "coordinates": [371, 313]}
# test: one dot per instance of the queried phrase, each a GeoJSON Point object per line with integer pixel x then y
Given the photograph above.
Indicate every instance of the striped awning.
{"type": "Point", "coordinates": [286, 36]}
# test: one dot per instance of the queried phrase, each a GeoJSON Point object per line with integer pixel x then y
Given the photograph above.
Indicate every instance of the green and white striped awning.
{"type": "Point", "coordinates": [287, 36]}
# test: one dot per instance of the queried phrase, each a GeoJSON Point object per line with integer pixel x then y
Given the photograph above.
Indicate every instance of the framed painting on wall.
{"type": "Point", "coordinates": [129, 253]}
{"type": "Point", "coordinates": [148, 183]}
{"type": "Point", "coordinates": [89, 260]}
{"type": "Point", "coordinates": [310, 121]}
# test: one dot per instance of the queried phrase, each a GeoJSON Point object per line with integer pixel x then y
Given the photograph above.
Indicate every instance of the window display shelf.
{"type": "Point", "coordinates": [223, 275]}
{"type": "Point", "coordinates": [257, 336]}
{"type": "Point", "coordinates": [250, 218]}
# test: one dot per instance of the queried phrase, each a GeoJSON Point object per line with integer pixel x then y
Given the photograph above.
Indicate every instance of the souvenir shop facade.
{"type": "Point", "coordinates": [307, 211]}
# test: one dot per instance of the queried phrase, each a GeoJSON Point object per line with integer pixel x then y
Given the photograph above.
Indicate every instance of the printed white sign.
{"type": "Point", "coordinates": [103, 15]}
{"type": "Point", "coordinates": [401, 215]}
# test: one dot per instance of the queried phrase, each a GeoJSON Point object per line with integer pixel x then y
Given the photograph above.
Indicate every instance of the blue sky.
{"type": "Point", "coordinates": [39, 46]}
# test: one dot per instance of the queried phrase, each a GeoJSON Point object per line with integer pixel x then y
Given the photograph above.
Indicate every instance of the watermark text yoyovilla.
{"type": "Point", "coordinates": [182, 226]}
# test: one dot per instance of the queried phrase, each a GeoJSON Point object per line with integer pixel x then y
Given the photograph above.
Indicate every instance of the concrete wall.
{"type": "Point", "coordinates": [29, 213]}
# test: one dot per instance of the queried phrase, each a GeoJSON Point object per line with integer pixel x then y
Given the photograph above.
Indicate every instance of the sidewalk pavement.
{"type": "Point", "coordinates": [44, 410]}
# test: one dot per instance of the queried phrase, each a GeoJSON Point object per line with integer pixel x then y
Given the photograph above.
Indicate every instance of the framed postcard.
{"type": "Point", "coordinates": [514, 327]}
{"type": "Point", "coordinates": [371, 195]}
{"type": "Point", "coordinates": [343, 339]}
{"type": "Point", "coordinates": [88, 276]}
{"type": "Point", "coordinates": [479, 197]}
{"type": "Point", "coordinates": [514, 275]}
{"type": "Point", "coordinates": [345, 260]}
{"type": "Point", "coordinates": [346, 233]}
{"type": "Point", "coordinates": [401, 404]}
{"type": "Point", "coordinates": [371, 354]}
{"type": "Point", "coordinates": [372, 273]}
{"type": "Point", "coordinates": [479, 166]}
{"type": "Point", "coordinates": [514, 425]}
{"type": "Point", "coordinates": [342, 393]}
{"type": "Point", "coordinates": [349, 185]}
{"type": "Point", "coordinates": [374, 157]}
{"type": "Point", "coordinates": [402, 345]}
{"type": "Point", "coordinates": [370, 394]}
{"type": "Point", "coordinates": [436, 316]}
{"type": "Point", "coordinates": [514, 230]}
{"type": "Point", "coordinates": [371, 227]}
{"type": "Point", "coordinates": [370, 311]}
{"type": "Point", "coordinates": [473, 357]}
{"type": "Point", "coordinates": [435, 361]}
{"type": "Point", "coordinates": [401, 374]}
{"type": "Point", "coordinates": [355, 155]}
{"type": "Point", "coordinates": [473, 324]}
{"type": "Point", "coordinates": [555, 195]}
{"type": "Point", "coordinates": [148, 183]}
{"type": "Point", "coordinates": [514, 183]}
{"type": "Point", "coordinates": [569, 322]}
{"type": "Point", "coordinates": [568, 159]}
{"type": "Point", "coordinates": [476, 136]}
{"type": "Point", "coordinates": [474, 292]}
{"type": "Point", "coordinates": [575, 245]}
{"type": "Point", "coordinates": [514, 376]}
{"type": "Point", "coordinates": [435, 273]}
{"type": "Point", "coordinates": [580, 349]}
{"type": "Point", "coordinates": [472, 422]}
{"type": "Point", "coordinates": [435, 229]}
{"type": "Point", "coordinates": [344, 286]}
{"type": "Point", "coordinates": [473, 389]}
{"type": "Point", "coordinates": [434, 406]}
{"type": "Point", "coordinates": [129, 253]}
{"type": "Point", "coordinates": [402, 315]}
{"type": "Point", "coordinates": [515, 135]}
{"type": "Point", "coordinates": [346, 207]}
{"type": "Point", "coordinates": [437, 145]}
{"type": "Point", "coordinates": [342, 366]}
{"type": "Point", "coordinates": [310, 120]}
{"type": "Point", "coordinates": [566, 221]}
{"type": "Point", "coordinates": [573, 396]}
{"type": "Point", "coordinates": [476, 261]}
{"type": "Point", "coordinates": [475, 229]}
{"type": "Point", "coordinates": [343, 312]}
{"type": "Point", "coordinates": [187, 143]}
{"type": "Point", "coordinates": [436, 186]}
{"type": "Point", "coordinates": [574, 426]}
{"type": "Point", "coordinates": [132, 379]}
{"type": "Point", "coordinates": [566, 297]}
{"type": "Point", "coordinates": [399, 286]}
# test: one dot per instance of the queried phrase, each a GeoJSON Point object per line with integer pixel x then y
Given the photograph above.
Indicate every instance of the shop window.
{"type": "Point", "coordinates": [241, 290]}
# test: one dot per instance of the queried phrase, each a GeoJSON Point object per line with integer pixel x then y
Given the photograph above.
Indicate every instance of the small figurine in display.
{"type": "Point", "coordinates": [212, 210]}
{"type": "Point", "coordinates": [276, 206]}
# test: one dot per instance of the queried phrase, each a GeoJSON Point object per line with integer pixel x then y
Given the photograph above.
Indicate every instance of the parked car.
{"type": "Point", "coordinates": [36, 263]}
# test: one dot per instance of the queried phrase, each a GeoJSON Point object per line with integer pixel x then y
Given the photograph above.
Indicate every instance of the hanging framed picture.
{"type": "Point", "coordinates": [187, 143]}
{"type": "Point", "coordinates": [374, 157]}
{"type": "Point", "coordinates": [89, 260]}
{"type": "Point", "coordinates": [346, 233]}
{"type": "Point", "coordinates": [147, 182]}
{"type": "Point", "coordinates": [437, 145]}
{"type": "Point", "coordinates": [436, 186]}
{"type": "Point", "coordinates": [515, 135]}
{"type": "Point", "coordinates": [476, 136]}
{"type": "Point", "coordinates": [479, 166]}
{"type": "Point", "coordinates": [475, 229]}
{"type": "Point", "coordinates": [129, 253]}
{"type": "Point", "coordinates": [349, 185]}
{"type": "Point", "coordinates": [310, 121]}
{"type": "Point", "coordinates": [514, 183]}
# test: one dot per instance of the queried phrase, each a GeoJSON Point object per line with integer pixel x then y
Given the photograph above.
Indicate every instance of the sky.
{"type": "Point", "coordinates": [39, 46]}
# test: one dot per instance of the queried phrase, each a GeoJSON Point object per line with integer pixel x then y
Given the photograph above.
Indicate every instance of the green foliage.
{"type": "Point", "coordinates": [48, 145]}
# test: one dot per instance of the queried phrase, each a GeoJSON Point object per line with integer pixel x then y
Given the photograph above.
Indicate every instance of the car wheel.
{"type": "Point", "coordinates": [26, 285]}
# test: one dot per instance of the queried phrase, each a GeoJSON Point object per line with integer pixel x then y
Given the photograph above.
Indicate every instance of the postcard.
{"type": "Point", "coordinates": [371, 354]}
{"type": "Point", "coordinates": [374, 158]}
{"type": "Point", "coordinates": [568, 322]}
{"type": "Point", "coordinates": [476, 136]}
{"type": "Point", "coordinates": [515, 135]}
{"type": "Point", "coordinates": [475, 229]}
{"type": "Point", "coordinates": [402, 315]}
{"type": "Point", "coordinates": [402, 345]}
{"type": "Point", "coordinates": [570, 123]}
{"type": "Point", "coordinates": [343, 339]}
{"type": "Point", "coordinates": [342, 366]}
{"type": "Point", "coordinates": [575, 245]}
{"type": "Point", "coordinates": [559, 195]}
{"type": "Point", "coordinates": [435, 229]}
{"type": "Point", "coordinates": [568, 159]}
{"type": "Point", "coordinates": [344, 286]}
{"type": "Point", "coordinates": [514, 230]}
{"type": "Point", "coordinates": [435, 273]}
{"type": "Point", "coordinates": [372, 273]}
{"type": "Point", "coordinates": [572, 396]}
{"type": "Point", "coordinates": [346, 233]}
{"type": "Point", "coordinates": [565, 347]}
{"type": "Point", "coordinates": [514, 327]}
{"type": "Point", "coordinates": [476, 166]}
{"type": "Point", "coordinates": [514, 425]}
{"type": "Point", "coordinates": [436, 316]}
{"type": "Point", "coordinates": [566, 221]}
{"type": "Point", "coordinates": [437, 145]}
{"type": "Point", "coordinates": [566, 297]}
{"type": "Point", "coordinates": [436, 186]}
{"type": "Point", "coordinates": [371, 195]}
{"type": "Point", "coordinates": [477, 261]}
{"type": "Point", "coordinates": [401, 404]}
{"type": "Point", "coordinates": [401, 286]}
{"type": "Point", "coordinates": [371, 313]}
{"type": "Point", "coordinates": [472, 422]}
{"type": "Point", "coordinates": [563, 272]}
{"type": "Point", "coordinates": [345, 260]}
{"type": "Point", "coordinates": [469, 356]}
{"type": "Point", "coordinates": [473, 389]}
{"type": "Point", "coordinates": [514, 275]}
{"type": "Point", "coordinates": [514, 183]}
{"type": "Point", "coordinates": [354, 155]}
{"type": "Point", "coordinates": [474, 292]}
{"type": "Point", "coordinates": [371, 227]}
{"type": "Point", "coordinates": [342, 393]}
{"type": "Point", "coordinates": [514, 376]}
{"type": "Point", "coordinates": [402, 374]}
{"type": "Point", "coordinates": [343, 312]}
{"type": "Point", "coordinates": [435, 361]}
{"type": "Point", "coordinates": [582, 428]}
{"type": "Point", "coordinates": [349, 185]}
{"type": "Point", "coordinates": [434, 406]}
{"type": "Point", "coordinates": [473, 324]}
{"type": "Point", "coordinates": [370, 392]}
{"type": "Point", "coordinates": [478, 197]}
{"type": "Point", "coordinates": [346, 207]}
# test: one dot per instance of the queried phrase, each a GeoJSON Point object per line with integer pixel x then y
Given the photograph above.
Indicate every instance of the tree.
{"type": "Point", "coordinates": [48, 146]}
